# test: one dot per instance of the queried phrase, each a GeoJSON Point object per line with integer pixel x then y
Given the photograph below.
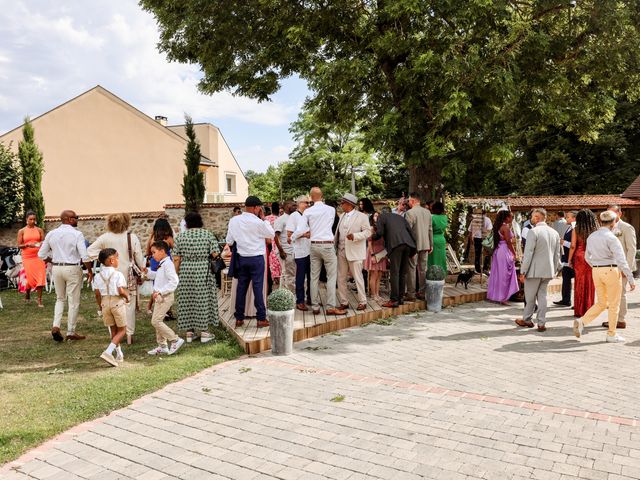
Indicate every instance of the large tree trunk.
{"type": "Point", "coordinates": [426, 180]}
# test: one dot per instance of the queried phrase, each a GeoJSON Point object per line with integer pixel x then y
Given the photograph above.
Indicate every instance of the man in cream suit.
{"type": "Point", "coordinates": [540, 264]}
{"type": "Point", "coordinates": [351, 242]}
{"type": "Point", "coordinates": [419, 219]}
{"type": "Point", "coordinates": [626, 234]}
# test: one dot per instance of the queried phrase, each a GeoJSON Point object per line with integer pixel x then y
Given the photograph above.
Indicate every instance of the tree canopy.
{"type": "Point", "coordinates": [193, 187]}
{"type": "Point", "coordinates": [32, 166]}
{"type": "Point", "coordinates": [428, 83]}
{"type": "Point", "coordinates": [10, 187]}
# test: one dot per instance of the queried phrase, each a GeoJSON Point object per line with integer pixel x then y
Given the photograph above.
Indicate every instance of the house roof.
{"type": "Point", "coordinates": [633, 190]}
{"type": "Point", "coordinates": [100, 89]}
{"type": "Point", "coordinates": [564, 202]}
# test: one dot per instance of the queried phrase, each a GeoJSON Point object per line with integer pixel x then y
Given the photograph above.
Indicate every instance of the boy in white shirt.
{"type": "Point", "coordinates": [165, 282]}
{"type": "Point", "coordinates": [112, 295]}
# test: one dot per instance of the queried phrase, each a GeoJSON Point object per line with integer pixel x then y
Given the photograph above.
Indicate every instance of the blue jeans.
{"type": "Point", "coordinates": [303, 269]}
{"type": "Point", "coordinates": [250, 270]}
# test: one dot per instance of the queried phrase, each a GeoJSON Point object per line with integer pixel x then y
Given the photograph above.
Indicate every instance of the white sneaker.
{"type": "Point", "coordinates": [175, 346]}
{"type": "Point", "coordinates": [107, 357]}
{"type": "Point", "coordinates": [191, 337]}
{"type": "Point", "coordinates": [615, 339]}
{"type": "Point", "coordinates": [578, 326]}
{"type": "Point", "coordinates": [120, 358]}
{"type": "Point", "coordinates": [159, 351]}
{"type": "Point", "coordinates": [206, 337]}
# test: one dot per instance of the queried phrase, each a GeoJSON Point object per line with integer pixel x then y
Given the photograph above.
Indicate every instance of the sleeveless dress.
{"type": "Point", "coordinates": [273, 258]}
{"type": "Point", "coordinates": [34, 267]}
{"type": "Point", "coordinates": [370, 263]}
{"type": "Point", "coordinates": [439, 254]}
{"type": "Point", "coordinates": [584, 289]}
{"type": "Point", "coordinates": [503, 278]}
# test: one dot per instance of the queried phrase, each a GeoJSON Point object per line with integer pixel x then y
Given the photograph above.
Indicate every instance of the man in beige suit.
{"type": "Point", "coordinates": [351, 241]}
{"type": "Point", "coordinates": [540, 264]}
{"type": "Point", "coordinates": [626, 234]}
{"type": "Point", "coordinates": [419, 219]}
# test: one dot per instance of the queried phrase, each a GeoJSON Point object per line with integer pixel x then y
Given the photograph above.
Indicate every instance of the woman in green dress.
{"type": "Point", "coordinates": [197, 290]}
{"type": "Point", "coordinates": [439, 221]}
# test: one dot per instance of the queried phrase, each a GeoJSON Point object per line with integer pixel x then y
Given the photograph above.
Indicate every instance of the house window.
{"type": "Point", "coordinates": [230, 183]}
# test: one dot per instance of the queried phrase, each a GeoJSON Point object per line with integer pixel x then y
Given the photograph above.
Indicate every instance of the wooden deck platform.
{"type": "Point", "coordinates": [307, 325]}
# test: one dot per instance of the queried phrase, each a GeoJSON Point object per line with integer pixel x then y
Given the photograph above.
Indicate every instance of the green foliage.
{"type": "Point", "coordinates": [32, 168]}
{"type": "Point", "coordinates": [436, 272]}
{"type": "Point", "coordinates": [429, 83]}
{"type": "Point", "coordinates": [281, 300]}
{"type": "Point", "coordinates": [193, 188]}
{"type": "Point", "coordinates": [10, 187]}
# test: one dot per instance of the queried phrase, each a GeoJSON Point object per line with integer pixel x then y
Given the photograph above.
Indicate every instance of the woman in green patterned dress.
{"type": "Point", "coordinates": [197, 290]}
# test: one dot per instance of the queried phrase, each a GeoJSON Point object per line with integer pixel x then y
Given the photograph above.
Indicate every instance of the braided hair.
{"type": "Point", "coordinates": [586, 223]}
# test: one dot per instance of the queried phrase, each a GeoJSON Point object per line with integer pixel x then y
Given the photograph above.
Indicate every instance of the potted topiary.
{"type": "Point", "coordinates": [435, 287]}
{"type": "Point", "coordinates": [281, 312]}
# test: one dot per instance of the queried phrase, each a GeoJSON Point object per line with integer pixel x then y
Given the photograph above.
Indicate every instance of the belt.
{"type": "Point", "coordinates": [606, 266]}
{"type": "Point", "coordinates": [60, 264]}
{"type": "Point", "coordinates": [321, 242]}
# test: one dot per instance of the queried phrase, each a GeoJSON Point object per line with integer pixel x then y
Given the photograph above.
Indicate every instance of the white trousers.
{"type": "Point", "coordinates": [68, 284]}
{"type": "Point", "coordinates": [355, 268]}
{"type": "Point", "coordinates": [288, 269]}
{"type": "Point", "coordinates": [131, 312]}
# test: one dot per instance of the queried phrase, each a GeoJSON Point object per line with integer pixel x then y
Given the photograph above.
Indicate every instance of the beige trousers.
{"type": "Point", "coordinates": [288, 269]}
{"type": "Point", "coordinates": [323, 253]}
{"type": "Point", "coordinates": [68, 284]}
{"type": "Point", "coordinates": [344, 268]}
{"type": "Point", "coordinates": [608, 289]}
{"type": "Point", "coordinates": [160, 308]}
{"type": "Point", "coordinates": [131, 312]}
{"type": "Point", "coordinates": [623, 299]}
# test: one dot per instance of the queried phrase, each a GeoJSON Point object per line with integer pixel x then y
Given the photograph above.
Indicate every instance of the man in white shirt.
{"type": "Point", "coordinates": [249, 232]}
{"type": "Point", "coordinates": [317, 223]}
{"type": "Point", "coordinates": [351, 241]}
{"type": "Point", "coordinates": [301, 253]}
{"type": "Point", "coordinates": [285, 249]}
{"type": "Point", "coordinates": [605, 255]}
{"type": "Point", "coordinates": [479, 228]}
{"type": "Point", "coordinates": [66, 249]}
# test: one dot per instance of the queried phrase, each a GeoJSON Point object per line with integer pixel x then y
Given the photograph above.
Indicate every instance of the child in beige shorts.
{"type": "Point", "coordinates": [112, 295]}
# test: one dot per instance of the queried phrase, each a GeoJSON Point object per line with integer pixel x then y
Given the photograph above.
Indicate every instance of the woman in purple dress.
{"type": "Point", "coordinates": [503, 280]}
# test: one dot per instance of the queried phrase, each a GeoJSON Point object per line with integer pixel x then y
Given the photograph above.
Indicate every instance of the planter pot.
{"type": "Point", "coordinates": [281, 328]}
{"type": "Point", "coordinates": [434, 293]}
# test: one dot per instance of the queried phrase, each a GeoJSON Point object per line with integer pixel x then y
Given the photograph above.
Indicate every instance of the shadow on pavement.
{"type": "Point", "coordinates": [564, 346]}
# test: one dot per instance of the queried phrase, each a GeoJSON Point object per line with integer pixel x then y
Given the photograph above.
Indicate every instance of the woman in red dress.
{"type": "Point", "coordinates": [584, 289]}
{"type": "Point", "coordinates": [29, 240]}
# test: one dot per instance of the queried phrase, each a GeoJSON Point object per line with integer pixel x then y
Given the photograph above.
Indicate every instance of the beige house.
{"type": "Point", "coordinates": [102, 155]}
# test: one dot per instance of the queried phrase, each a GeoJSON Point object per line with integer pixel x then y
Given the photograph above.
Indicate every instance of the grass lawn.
{"type": "Point", "coordinates": [48, 387]}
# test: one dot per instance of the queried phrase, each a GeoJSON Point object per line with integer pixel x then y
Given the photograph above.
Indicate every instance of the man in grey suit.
{"type": "Point", "coordinates": [419, 219]}
{"type": "Point", "coordinates": [540, 264]}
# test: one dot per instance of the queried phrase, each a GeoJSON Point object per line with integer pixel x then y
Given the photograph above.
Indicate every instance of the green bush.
{"type": "Point", "coordinates": [435, 272]}
{"type": "Point", "coordinates": [281, 300]}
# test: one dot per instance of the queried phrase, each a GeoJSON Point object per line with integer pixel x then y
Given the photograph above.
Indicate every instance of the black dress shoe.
{"type": "Point", "coordinates": [562, 304]}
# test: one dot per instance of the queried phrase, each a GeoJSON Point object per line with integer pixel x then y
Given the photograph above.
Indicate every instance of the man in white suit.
{"type": "Point", "coordinates": [540, 264]}
{"type": "Point", "coordinates": [626, 234]}
{"type": "Point", "coordinates": [419, 219]}
{"type": "Point", "coordinates": [351, 242]}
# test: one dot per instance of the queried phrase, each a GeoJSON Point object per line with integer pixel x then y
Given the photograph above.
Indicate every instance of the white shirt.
{"type": "Point", "coordinates": [108, 280]}
{"type": "Point", "coordinates": [281, 226]}
{"type": "Point", "coordinates": [480, 225]}
{"type": "Point", "coordinates": [318, 220]}
{"type": "Point", "coordinates": [301, 245]}
{"type": "Point", "coordinates": [65, 244]}
{"type": "Point", "coordinates": [165, 279]}
{"type": "Point", "coordinates": [249, 232]}
{"type": "Point", "coordinates": [603, 248]}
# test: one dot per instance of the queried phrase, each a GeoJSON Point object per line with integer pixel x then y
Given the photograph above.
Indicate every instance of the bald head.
{"type": "Point", "coordinates": [316, 194]}
{"type": "Point", "coordinates": [69, 217]}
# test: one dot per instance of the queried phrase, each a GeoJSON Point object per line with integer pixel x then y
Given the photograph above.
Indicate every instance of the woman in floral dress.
{"type": "Point", "coordinates": [197, 290]}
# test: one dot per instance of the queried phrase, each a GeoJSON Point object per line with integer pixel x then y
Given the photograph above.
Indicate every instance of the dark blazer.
{"type": "Point", "coordinates": [396, 231]}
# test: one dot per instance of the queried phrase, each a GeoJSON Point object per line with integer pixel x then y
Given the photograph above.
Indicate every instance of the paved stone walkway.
{"type": "Point", "coordinates": [463, 394]}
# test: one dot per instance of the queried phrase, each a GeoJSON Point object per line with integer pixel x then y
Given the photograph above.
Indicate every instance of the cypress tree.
{"type": "Point", "coordinates": [10, 187]}
{"type": "Point", "coordinates": [193, 181]}
{"type": "Point", "coordinates": [32, 169]}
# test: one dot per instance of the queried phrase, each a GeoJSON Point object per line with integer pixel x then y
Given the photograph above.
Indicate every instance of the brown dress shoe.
{"type": "Point", "coordinates": [409, 298]}
{"type": "Point", "coordinates": [335, 311]}
{"type": "Point", "coordinates": [55, 333]}
{"type": "Point", "coordinates": [239, 323]}
{"type": "Point", "coordinates": [302, 306]}
{"type": "Point", "coordinates": [343, 306]}
{"type": "Point", "coordinates": [618, 325]}
{"type": "Point", "coordinates": [542, 328]}
{"type": "Point", "coordinates": [75, 336]}
{"type": "Point", "coordinates": [522, 323]}
{"type": "Point", "coordinates": [390, 304]}
{"type": "Point", "coordinates": [362, 306]}
{"type": "Point", "coordinates": [262, 323]}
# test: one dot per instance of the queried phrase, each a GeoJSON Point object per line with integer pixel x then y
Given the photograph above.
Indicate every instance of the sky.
{"type": "Point", "coordinates": [52, 51]}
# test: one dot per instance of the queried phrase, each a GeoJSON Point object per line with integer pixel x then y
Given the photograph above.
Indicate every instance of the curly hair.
{"type": "Point", "coordinates": [118, 222]}
{"type": "Point", "coordinates": [586, 223]}
{"type": "Point", "coordinates": [162, 229]}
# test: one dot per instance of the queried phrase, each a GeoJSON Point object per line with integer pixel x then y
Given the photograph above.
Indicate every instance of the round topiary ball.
{"type": "Point", "coordinates": [281, 300]}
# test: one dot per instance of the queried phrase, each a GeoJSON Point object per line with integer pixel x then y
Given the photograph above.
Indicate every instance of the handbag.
{"type": "Point", "coordinates": [487, 242]}
{"type": "Point", "coordinates": [134, 277]}
{"type": "Point", "coordinates": [216, 264]}
{"type": "Point", "coordinates": [380, 255]}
